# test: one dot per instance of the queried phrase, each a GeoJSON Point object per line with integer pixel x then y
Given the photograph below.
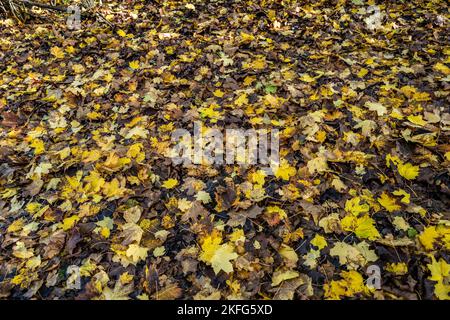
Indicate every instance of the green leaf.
{"type": "Point", "coordinates": [358, 2]}
{"type": "Point", "coordinates": [412, 233]}
{"type": "Point", "coordinates": [270, 88]}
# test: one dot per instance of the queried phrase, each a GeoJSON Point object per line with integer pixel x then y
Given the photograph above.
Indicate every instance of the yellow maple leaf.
{"type": "Point", "coordinates": [366, 228]}
{"type": "Point", "coordinates": [170, 183]}
{"type": "Point", "coordinates": [353, 256]}
{"type": "Point", "coordinates": [306, 78]}
{"type": "Point", "coordinates": [114, 162]}
{"type": "Point", "coordinates": [210, 112]}
{"type": "Point", "coordinates": [114, 189]}
{"type": "Point", "coordinates": [442, 290]}
{"type": "Point", "coordinates": [406, 195]}
{"type": "Point", "coordinates": [318, 164]}
{"type": "Point", "coordinates": [321, 136]}
{"type": "Point", "coordinates": [442, 68]}
{"type": "Point", "coordinates": [216, 254]}
{"type": "Point", "coordinates": [125, 278]}
{"type": "Point", "coordinates": [362, 72]}
{"type": "Point", "coordinates": [136, 253]}
{"type": "Point", "coordinates": [355, 207]}
{"type": "Point", "coordinates": [376, 106]}
{"type": "Point", "coordinates": [417, 120]}
{"type": "Point", "coordinates": [363, 227]}
{"type": "Point", "coordinates": [21, 251]}
{"type": "Point", "coordinates": [78, 68]}
{"type": "Point", "coordinates": [137, 132]}
{"type": "Point", "coordinates": [68, 223]}
{"type": "Point", "coordinates": [399, 268]}
{"type": "Point", "coordinates": [447, 155]}
{"type": "Point", "coordinates": [33, 262]}
{"type": "Point", "coordinates": [203, 197]}
{"type": "Point", "coordinates": [121, 33]}
{"type": "Point", "coordinates": [134, 65]}
{"type": "Point", "coordinates": [408, 171]}
{"type": "Point", "coordinates": [246, 37]}
{"type": "Point", "coordinates": [222, 257]}
{"type": "Point", "coordinates": [390, 204]}
{"type": "Point", "coordinates": [104, 227]}
{"type": "Point", "coordinates": [135, 151]}
{"type": "Point", "coordinates": [241, 100]}
{"type": "Point", "coordinates": [258, 177]}
{"type": "Point", "coordinates": [57, 52]}
{"type": "Point", "coordinates": [91, 156]}
{"type": "Point", "coordinates": [209, 245]}
{"type": "Point", "coordinates": [428, 237]}
{"type": "Point", "coordinates": [159, 251]}
{"type": "Point", "coordinates": [218, 93]}
{"type": "Point", "coordinates": [272, 100]}
{"type": "Point", "coordinates": [248, 80]}
{"type": "Point", "coordinates": [70, 49]}
{"type": "Point", "coordinates": [16, 225]}
{"type": "Point", "coordinates": [440, 272]}
{"type": "Point", "coordinates": [276, 210]}
{"type": "Point", "coordinates": [105, 232]}
{"type": "Point", "coordinates": [351, 283]}
{"type": "Point", "coordinates": [237, 236]}
{"type": "Point", "coordinates": [38, 146]}
{"type": "Point", "coordinates": [285, 170]}
{"type": "Point", "coordinates": [319, 241]}
{"type": "Point", "coordinates": [259, 63]}
{"type": "Point", "coordinates": [394, 159]}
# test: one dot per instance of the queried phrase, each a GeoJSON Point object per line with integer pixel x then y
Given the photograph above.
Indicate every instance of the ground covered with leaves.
{"type": "Point", "coordinates": [91, 206]}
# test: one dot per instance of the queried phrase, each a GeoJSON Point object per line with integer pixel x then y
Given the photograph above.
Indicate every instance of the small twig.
{"type": "Point", "coordinates": [31, 4]}
{"type": "Point", "coordinates": [13, 8]}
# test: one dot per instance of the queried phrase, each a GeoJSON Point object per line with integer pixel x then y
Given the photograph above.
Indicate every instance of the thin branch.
{"type": "Point", "coordinates": [31, 4]}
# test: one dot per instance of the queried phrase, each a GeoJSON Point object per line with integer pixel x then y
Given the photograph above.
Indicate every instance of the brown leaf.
{"type": "Point", "coordinates": [169, 292]}
{"type": "Point", "coordinates": [54, 244]}
{"type": "Point", "coordinates": [73, 240]}
{"type": "Point", "coordinates": [33, 188]}
{"type": "Point", "coordinates": [10, 119]}
{"type": "Point", "coordinates": [194, 212]}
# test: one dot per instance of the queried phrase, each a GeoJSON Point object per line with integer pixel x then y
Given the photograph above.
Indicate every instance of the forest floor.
{"type": "Point", "coordinates": [92, 206]}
